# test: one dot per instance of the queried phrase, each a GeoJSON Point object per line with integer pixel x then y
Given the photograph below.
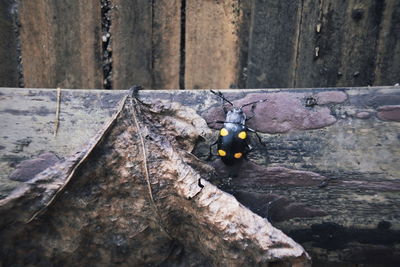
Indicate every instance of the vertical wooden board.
{"type": "Point", "coordinates": [8, 46]}
{"type": "Point", "coordinates": [360, 37]}
{"type": "Point", "coordinates": [387, 71]}
{"type": "Point", "coordinates": [273, 43]}
{"type": "Point", "coordinates": [90, 61]}
{"type": "Point", "coordinates": [320, 43]}
{"type": "Point", "coordinates": [338, 43]}
{"type": "Point", "coordinates": [211, 49]}
{"type": "Point", "coordinates": [131, 33]}
{"type": "Point", "coordinates": [166, 44]}
{"type": "Point", "coordinates": [61, 44]}
{"type": "Point", "coordinates": [37, 44]}
{"type": "Point", "coordinates": [244, 37]}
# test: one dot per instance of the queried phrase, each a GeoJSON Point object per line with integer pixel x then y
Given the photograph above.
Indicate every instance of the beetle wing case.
{"type": "Point", "coordinates": [232, 146]}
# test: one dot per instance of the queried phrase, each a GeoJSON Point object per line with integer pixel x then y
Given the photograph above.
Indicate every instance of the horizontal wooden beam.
{"type": "Point", "coordinates": [328, 175]}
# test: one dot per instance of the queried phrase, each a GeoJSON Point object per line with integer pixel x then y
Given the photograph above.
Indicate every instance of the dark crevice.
{"type": "Point", "coordinates": [106, 7]}
{"type": "Point", "coordinates": [332, 236]}
{"type": "Point", "coordinates": [17, 26]}
{"type": "Point", "coordinates": [182, 46]}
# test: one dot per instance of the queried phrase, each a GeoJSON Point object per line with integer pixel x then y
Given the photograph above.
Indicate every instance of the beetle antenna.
{"type": "Point", "coordinates": [221, 96]}
{"type": "Point", "coordinates": [255, 102]}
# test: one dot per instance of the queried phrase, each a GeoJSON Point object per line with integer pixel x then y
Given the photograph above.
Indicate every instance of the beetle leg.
{"type": "Point", "coordinates": [248, 149]}
{"type": "Point", "coordinates": [223, 105]}
{"type": "Point", "coordinates": [253, 107]}
{"type": "Point", "coordinates": [225, 109]}
{"type": "Point", "coordinates": [210, 153]}
{"type": "Point", "coordinates": [258, 136]}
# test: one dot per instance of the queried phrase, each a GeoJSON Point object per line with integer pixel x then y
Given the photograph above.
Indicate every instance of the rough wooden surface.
{"type": "Point", "coordinates": [166, 44]}
{"type": "Point", "coordinates": [323, 43]}
{"type": "Point", "coordinates": [8, 45]}
{"type": "Point", "coordinates": [131, 31]}
{"type": "Point", "coordinates": [27, 122]}
{"type": "Point", "coordinates": [61, 44]}
{"type": "Point", "coordinates": [388, 57]}
{"type": "Point", "coordinates": [145, 43]}
{"type": "Point", "coordinates": [273, 43]}
{"type": "Point", "coordinates": [328, 176]}
{"type": "Point", "coordinates": [212, 43]}
{"type": "Point", "coordinates": [201, 44]}
{"type": "Point", "coordinates": [136, 196]}
{"type": "Point", "coordinates": [335, 47]}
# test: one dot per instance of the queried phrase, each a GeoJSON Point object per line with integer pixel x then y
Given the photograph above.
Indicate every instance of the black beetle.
{"type": "Point", "coordinates": [232, 144]}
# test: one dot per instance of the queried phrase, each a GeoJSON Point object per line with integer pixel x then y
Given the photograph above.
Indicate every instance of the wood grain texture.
{"type": "Point", "coordinates": [61, 44]}
{"type": "Point", "coordinates": [324, 44]}
{"type": "Point", "coordinates": [166, 44]}
{"type": "Point", "coordinates": [228, 44]}
{"type": "Point", "coordinates": [244, 28]}
{"type": "Point", "coordinates": [360, 38]}
{"type": "Point", "coordinates": [273, 43]}
{"type": "Point", "coordinates": [204, 44]}
{"type": "Point", "coordinates": [328, 176]}
{"type": "Point", "coordinates": [328, 179]}
{"type": "Point", "coordinates": [146, 43]}
{"type": "Point", "coordinates": [212, 43]}
{"type": "Point", "coordinates": [320, 44]}
{"type": "Point", "coordinates": [131, 33]}
{"type": "Point", "coordinates": [136, 192]}
{"type": "Point", "coordinates": [387, 68]}
{"type": "Point", "coordinates": [27, 120]}
{"type": "Point", "coordinates": [8, 46]}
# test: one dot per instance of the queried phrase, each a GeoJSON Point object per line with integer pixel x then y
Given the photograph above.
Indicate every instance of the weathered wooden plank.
{"type": "Point", "coordinates": [212, 49]}
{"type": "Point", "coordinates": [343, 44]}
{"type": "Point", "coordinates": [273, 43]}
{"type": "Point", "coordinates": [99, 199]}
{"type": "Point", "coordinates": [8, 46]}
{"type": "Point", "coordinates": [338, 43]}
{"type": "Point", "coordinates": [387, 71]}
{"type": "Point", "coordinates": [27, 122]}
{"type": "Point", "coordinates": [166, 44]}
{"type": "Point", "coordinates": [145, 43]}
{"type": "Point", "coordinates": [61, 44]}
{"type": "Point", "coordinates": [361, 25]}
{"type": "Point", "coordinates": [324, 44]}
{"type": "Point", "coordinates": [244, 42]}
{"type": "Point", "coordinates": [328, 176]}
{"type": "Point", "coordinates": [131, 33]}
{"type": "Point", "coordinates": [320, 44]}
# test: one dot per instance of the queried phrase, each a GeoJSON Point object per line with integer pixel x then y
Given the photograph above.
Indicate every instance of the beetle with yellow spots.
{"type": "Point", "coordinates": [232, 143]}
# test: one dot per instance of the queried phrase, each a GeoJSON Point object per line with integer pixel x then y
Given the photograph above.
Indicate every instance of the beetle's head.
{"type": "Point", "coordinates": [237, 110]}
{"type": "Point", "coordinates": [236, 115]}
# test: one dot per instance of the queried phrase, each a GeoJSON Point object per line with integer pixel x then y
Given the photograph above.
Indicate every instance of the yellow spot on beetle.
{"type": "Point", "coordinates": [222, 153]}
{"type": "Point", "coordinates": [237, 155]}
{"type": "Point", "coordinates": [224, 132]}
{"type": "Point", "coordinates": [242, 135]}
